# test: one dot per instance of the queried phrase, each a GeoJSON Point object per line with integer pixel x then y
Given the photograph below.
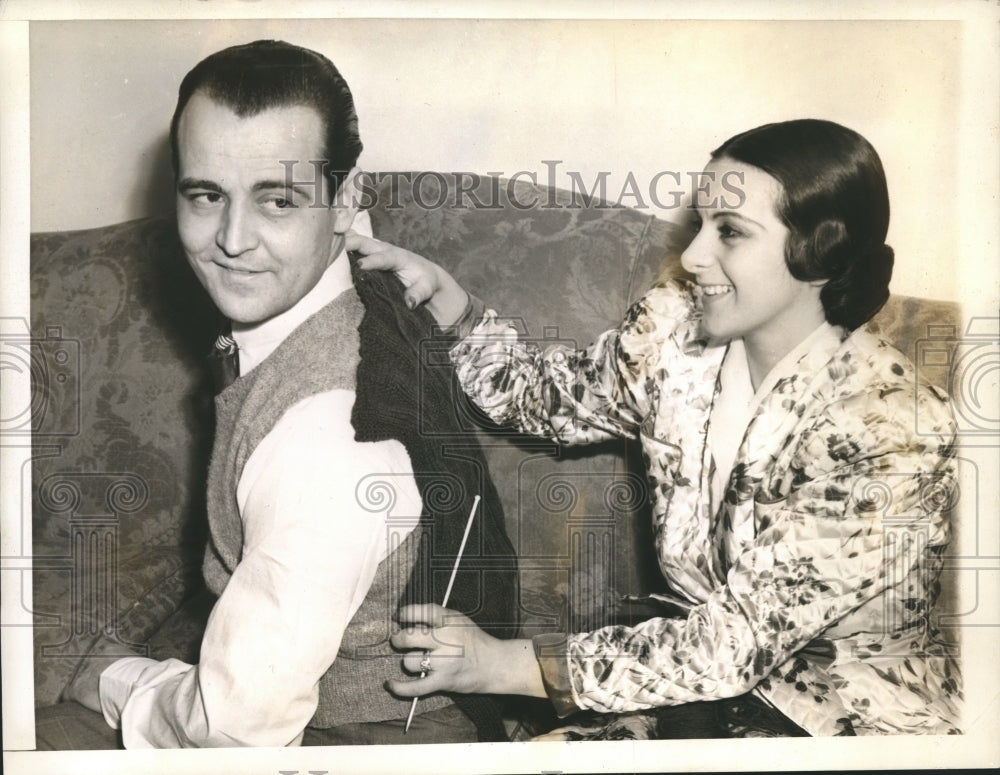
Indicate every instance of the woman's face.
{"type": "Point", "coordinates": [738, 260]}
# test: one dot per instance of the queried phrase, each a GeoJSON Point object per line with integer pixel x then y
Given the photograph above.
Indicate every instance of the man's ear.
{"type": "Point", "coordinates": [345, 203]}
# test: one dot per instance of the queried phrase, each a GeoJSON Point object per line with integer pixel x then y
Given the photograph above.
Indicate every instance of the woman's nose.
{"type": "Point", "coordinates": [698, 255]}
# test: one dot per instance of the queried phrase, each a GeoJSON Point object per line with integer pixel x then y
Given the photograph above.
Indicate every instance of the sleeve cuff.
{"type": "Point", "coordinates": [552, 653]}
{"type": "Point", "coordinates": [116, 686]}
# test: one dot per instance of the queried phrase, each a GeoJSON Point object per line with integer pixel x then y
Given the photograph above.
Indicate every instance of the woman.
{"type": "Point", "coordinates": [798, 516]}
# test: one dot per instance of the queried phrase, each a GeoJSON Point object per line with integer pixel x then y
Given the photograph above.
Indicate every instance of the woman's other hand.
{"type": "Point", "coordinates": [425, 282]}
{"type": "Point", "coordinates": [457, 656]}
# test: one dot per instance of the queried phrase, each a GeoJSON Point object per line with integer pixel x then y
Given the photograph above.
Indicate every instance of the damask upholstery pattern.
{"type": "Point", "coordinates": [122, 415]}
{"type": "Point", "coordinates": [120, 443]}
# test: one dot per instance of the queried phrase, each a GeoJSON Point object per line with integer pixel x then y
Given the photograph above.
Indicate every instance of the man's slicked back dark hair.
{"type": "Point", "coordinates": [254, 77]}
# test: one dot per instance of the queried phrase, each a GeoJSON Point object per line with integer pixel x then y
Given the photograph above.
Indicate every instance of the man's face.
{"type": "Point", "coordinates": [255, 243]}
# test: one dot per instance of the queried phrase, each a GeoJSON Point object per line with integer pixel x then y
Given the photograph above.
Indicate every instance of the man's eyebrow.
{"type": "Point", "coordinates": [281, 185]}
{"type": "Point", "coordinates": [186, 184]}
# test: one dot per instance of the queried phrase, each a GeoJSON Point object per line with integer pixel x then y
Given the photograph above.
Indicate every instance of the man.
{"type": "Point", "coordinates": [308, 573]}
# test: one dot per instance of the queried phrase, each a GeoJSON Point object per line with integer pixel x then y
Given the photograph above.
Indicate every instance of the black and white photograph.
{"type": "Point", "coordinates": [430, 387]}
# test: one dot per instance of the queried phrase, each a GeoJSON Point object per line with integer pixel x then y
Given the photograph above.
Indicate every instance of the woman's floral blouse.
{"type": "Point", "coordinates": [812, 583]}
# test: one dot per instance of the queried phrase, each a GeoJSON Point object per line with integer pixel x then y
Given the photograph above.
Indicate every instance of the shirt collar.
{"type": "Point", "coordinates": [818, 346]}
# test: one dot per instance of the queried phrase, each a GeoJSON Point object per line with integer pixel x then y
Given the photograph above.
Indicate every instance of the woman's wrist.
{"type": "Point", "coordinates": [449, 301]}
{"type": "Point", "coordinates": [468, 320]}
{"type": "Point", "coordinates": [517, 670]}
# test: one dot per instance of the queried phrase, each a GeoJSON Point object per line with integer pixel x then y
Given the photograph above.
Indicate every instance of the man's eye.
{"type": "Point", "coordinates": [205, 198]}
{"type": "Point", "coordinates": [279, 203]}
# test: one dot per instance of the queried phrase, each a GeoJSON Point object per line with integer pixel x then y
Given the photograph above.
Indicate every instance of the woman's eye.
{"type": "Point", "coordinates": [728, 232]}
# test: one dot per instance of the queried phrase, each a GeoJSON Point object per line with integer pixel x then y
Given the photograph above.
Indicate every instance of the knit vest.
{"type": "Point", "coordinates": [320, 355]}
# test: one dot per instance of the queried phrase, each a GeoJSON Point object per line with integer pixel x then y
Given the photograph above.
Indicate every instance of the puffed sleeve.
{"type": "Point", "coordinates": [572, 396]}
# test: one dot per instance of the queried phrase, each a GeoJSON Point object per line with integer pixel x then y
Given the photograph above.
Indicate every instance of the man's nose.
{"type": "Point", "coordinates": [236, 234]}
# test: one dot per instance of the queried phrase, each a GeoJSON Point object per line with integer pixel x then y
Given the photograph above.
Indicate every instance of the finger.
{"type": "Point", "coordinates": [417, 292]}
{"type": "Point", "coordinates": [417, 687]}
{"type": "Point", "coordinates": [386, 258]}
{"type": "Point", "coordinates": [429, 614]}
{"type": "Point", "coordinates": [416, 662]}
{"type": "Point", "coordinates": [414, 638]}
{"type": "Point", "coordinates": [358, 243]}
{"type": "Point", "coordinates": [445, 642]}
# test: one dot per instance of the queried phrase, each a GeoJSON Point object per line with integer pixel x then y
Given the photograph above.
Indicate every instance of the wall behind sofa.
{"type": "Point", "coordinates": [622, 97]}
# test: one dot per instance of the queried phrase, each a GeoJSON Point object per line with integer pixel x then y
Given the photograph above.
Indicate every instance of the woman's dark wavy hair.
{"type": "Point", "coordinates": [836, 206]}
{"type": "Point", "coordinates": [254, 77]}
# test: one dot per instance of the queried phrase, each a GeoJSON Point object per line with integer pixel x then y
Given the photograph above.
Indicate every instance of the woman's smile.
{"type": "Point", "coordinates": [715, 290]}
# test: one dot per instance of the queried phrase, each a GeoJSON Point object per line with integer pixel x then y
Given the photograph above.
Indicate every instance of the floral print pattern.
{"type": "Point", "coordinates": [812, 582]}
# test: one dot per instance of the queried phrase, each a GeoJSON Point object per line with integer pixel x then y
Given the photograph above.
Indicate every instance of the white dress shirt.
{"type": "Point", "coordinates": [310, 553]}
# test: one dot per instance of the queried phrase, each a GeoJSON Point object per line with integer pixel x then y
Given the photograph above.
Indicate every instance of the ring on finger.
{"type": "Point", "coordinates": [425, 664]}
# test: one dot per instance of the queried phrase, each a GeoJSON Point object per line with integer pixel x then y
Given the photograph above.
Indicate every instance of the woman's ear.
{"type": "Point", "coordinates": [346, 203]}
{"type": "Point", "coordinates": [830, 247]}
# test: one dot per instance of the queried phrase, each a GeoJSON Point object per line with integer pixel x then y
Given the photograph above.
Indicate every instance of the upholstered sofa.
{"type": "Point", "coordinates": [122, 409]}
